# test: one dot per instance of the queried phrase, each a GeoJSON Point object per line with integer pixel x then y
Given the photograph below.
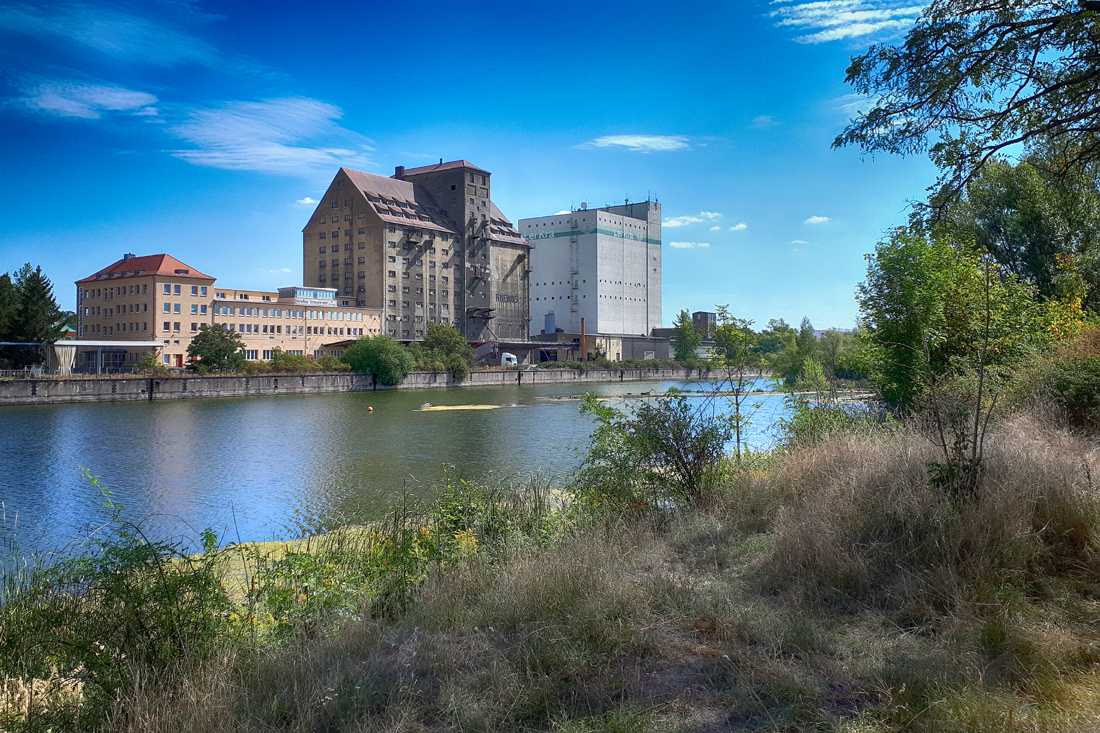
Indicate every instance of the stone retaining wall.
{"type": "Point", "coordinates": [53, 391]}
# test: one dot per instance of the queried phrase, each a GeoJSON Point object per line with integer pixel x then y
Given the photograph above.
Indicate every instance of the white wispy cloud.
{"type": "Point", "coordinates": [716, 229]}
{"type": "Point", "coordinates": [86, 101]}
{"type": "Point", "coordinates": [292, 136]}
{"type": "Point", "coordinates": [563, 211]}
{"type": "Point", "coordinates": [640, 143]}
{"type": "Point", "coordinates": [307, 200]}
{"type": "Point", "coordinates": [763, 122]}
{"type": "Point", "coordinates": [816, 220]}
{"type": "Point", "coordinates": [683, 221]}
{"type": "Point", "coordinates": [799, 241]}
{"type": "Point", "coordinates": [853, 104]}
{"type": "Point", "coordinates": [114, 33]}
{"type": "Point", "coordinates": [739, 227]}
{"type": "Point", "coordinates": [280, 271]}
{"type": "Point", "coordinates": [688, 245]}
{"type": "Point", "coordinates": [835, 20]}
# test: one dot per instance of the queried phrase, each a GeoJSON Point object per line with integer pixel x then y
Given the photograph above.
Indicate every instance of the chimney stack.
{"type": "Point", "coordinates": [128, 256]}
{"type": "Point", "coordinates": [399, 171]}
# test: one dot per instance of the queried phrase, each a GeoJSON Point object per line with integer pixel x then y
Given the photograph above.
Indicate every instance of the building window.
{"type": "Point", "coordinates": [362, 215]}
{"type": "Point", "coordinates": [362, 260]}
{"type": "Point", "coordinates": [323, 250]}
{"type": "Point", "coordinates": [362, 230]}
{"type": "Point", "coordinates": [321, 235]}
{"type": "Point", "coordinates": [392, 273]}
{"type": "Point", "coordinates": [362, 245]}
{"type": "Point", "coordinates": [336, 234]}
{"type": "Point", "coordinates": [176, 326]}
{"type": "Point", "coordinates": [167, 307]}
{"type": "Point", "coordinates": [389, 245]}
{"type": "Point", "coordinates": [175, 307]}
{"type": "Point", "coordinates": [336, 204]}
{"type": "Point", "coordinates": [167, 289]}
{"type": "Point", "coordinates": [391, 288]}
{"type": "Point", "coordinates": [167, 326]}
{"type": "Point", "coordinates": [176, 289]}
{"type": "Point", "coordinates": [347, 217]}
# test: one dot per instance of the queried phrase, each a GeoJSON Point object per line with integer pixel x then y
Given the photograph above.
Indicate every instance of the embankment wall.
{"type": "Point", "coordinates": [56, 391]}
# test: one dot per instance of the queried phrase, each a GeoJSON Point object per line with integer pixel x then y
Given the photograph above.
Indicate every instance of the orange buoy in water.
{"type": "Point", "coordinates": [370, 409]}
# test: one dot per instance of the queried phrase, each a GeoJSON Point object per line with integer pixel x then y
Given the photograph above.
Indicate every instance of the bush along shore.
{"type": "Point", "coordinates": [866, 576]}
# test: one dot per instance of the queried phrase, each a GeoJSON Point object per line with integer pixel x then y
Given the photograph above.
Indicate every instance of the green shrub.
{"type": "Point", "coordinates": [380, 356]}
{"type": "Point", "coordinates": [667, 450]}
{"type": "Point", "coordinates": [285, 363]}
{"type": "Point", "coordinates": [808, 423]}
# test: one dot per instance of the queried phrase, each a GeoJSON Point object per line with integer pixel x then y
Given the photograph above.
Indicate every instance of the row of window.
{"type": "Point", "coordinates": [335, 219]}
{"type": "Point", "coordinates": [110, 330]}
{"type": "Point", "coordinates": [97, 310]}
{"type": "Point", "coordinates": [109, 293]}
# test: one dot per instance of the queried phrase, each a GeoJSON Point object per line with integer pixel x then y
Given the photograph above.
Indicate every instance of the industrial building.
{"type": "Point", "coordinates": [159, 299]}
{"type": "Point", "coordinates": [427, 245]}
{"type": "Point", "coordinates": [601, 267]}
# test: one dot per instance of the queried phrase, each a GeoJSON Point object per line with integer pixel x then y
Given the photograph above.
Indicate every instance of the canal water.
{"type": "Point", "coordinates": [266, 468]}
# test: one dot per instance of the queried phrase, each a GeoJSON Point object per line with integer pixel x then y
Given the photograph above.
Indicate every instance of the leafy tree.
{"type": "Point", "coordinates": [382, 357]}
{"type": "Point", "coordinates": [443, 348]}
{"type": "Point", "coordinates": [687, 338]}
{"type": "Point", "coordinates": [9, 307]}
{"type": "Point", "coordinates": [29, 312]}
{"type": "Point", "coordinates": [773, 339]}
{"type": "Point", "coordinates": [1032, 222]}
{"type": "Point", "coordinates": [981, 77]}
{"type": "Point", "coordinates": [924, 305]}
{"type": "Point", "coordinates": [737, 364]}
{"type": "Point", "coordinates": [807, 341]}
{"type": "Point", "coordinates": [216, 348]}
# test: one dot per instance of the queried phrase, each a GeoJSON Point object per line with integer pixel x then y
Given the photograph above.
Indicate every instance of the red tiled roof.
{"type": "Point", "coordinates": [145, 266]}
{"type": "Point", "coordinates": [444, 167]}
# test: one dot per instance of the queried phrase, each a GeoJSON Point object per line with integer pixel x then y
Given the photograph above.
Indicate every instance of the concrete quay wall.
{"type": "Point", "coordinates": [58, 391]}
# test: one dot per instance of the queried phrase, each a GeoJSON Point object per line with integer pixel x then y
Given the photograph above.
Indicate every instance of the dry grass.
{"type": "Point", "coordinates": [835, 591]}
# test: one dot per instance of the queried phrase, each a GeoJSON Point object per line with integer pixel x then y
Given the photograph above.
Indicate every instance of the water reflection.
{"type": "Point", "coordinates": [263, 468]}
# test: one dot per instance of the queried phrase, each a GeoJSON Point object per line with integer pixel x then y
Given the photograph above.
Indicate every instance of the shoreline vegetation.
{"type": "Point", "coordinates": [838, 582]}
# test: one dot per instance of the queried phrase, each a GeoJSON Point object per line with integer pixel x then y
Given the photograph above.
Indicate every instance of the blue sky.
{"type": "Point", "coordinates": [205, 130]}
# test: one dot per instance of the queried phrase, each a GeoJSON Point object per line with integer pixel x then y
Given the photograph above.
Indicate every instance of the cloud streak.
{"type": "Point", "coordinates": [817, 220]}
{"type": "Point", "coordinates": [741, 226]}
{"type": "Point", "coordinates": [688, 245]}
{"type": "Point", "coordinates": [290, 136]}
{"type": "Point", "coordinates": [86, 101]}
{"type": "Point", "coordinates": [836, 20]}
{"type": "Point", "coordinates": [640, 143]}
{"type": "Point", "coordinates": [113, 33]}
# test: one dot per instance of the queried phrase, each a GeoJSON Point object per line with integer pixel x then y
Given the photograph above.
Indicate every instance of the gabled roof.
{"type": "Point", "coordinates": [444, 167]}
{"type": "Point", "coordinates": [401, 203]}
{"type": "Point", "coordinates": [145, 266]}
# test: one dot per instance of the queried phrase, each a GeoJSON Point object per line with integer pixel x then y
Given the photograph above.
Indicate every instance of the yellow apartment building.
{"type": "Point", "coordinates": [158, 297]}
